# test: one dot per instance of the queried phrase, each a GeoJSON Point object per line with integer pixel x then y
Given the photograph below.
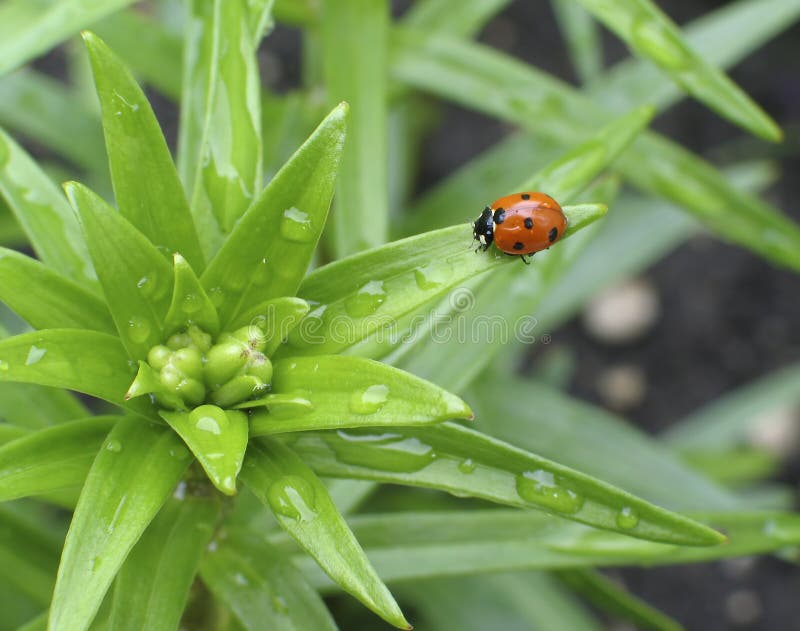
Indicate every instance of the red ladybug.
{"type": "Point", "coordinates": [521, 224]}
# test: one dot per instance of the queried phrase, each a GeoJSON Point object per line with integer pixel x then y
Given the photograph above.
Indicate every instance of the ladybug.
{"type": "Point", "coordinates": [521, 224]}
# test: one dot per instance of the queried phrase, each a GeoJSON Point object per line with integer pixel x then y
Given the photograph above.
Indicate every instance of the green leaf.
{"type": "Point", "coordinates": [47, 300]}
{"type": "Point", "coordinates": [651, 34]}
{"type": "Point", "coordinates": [755, 22]}
{"type": "Point", "coordinates": [456, 459]}
{"type": "Point", "coordinates": [217, 438]}
{"type": "Point", "coordinates": [43, 214]}
{"type": "Point", "coordinates": [347, 392]}
{"type": "Point", "coordinates": [28, 29]}
{"type": "Point", "coordinates": [137, 154]}
{"type": "Point", "coordinates": [609, 597]}
{"type": "Point", "coordinates": [412, 546]}
{"type": "Point", "coordinates": [28, 554]}
{"type": "Point", "coordinates": [127, 485]}
{"type": "Point", "coordinates": [261, 587]}
{"type": "Point", "coordinates": [190, 303]}
{"type": "Point", "coordinates": [304, 509]}
{"type": "Point", "coordinates": [269, 249]}
{"type": "Point", "coordinates": [369, 293]}
{"type": "Point", "coordinates": [584, 436]}
{"type": "Point", "coordinates": [35, 407]}
{"type": "Point", "coordinates": [136, 278]}
{"type": "Point", "coordinates": [354, 55]}
{"type": "Point", "coordinates": [85, 361]}
{"type": "Point", "coordinates": [276, 318]}
{"type": "Point", "coordinates": [220, 136]}
{"type": "Point", "coordinates": [464, 72]}
{"type": "Point", "coordinates": [152, 586]}
{"type": "Point", "coordinates": [463, 18]}
{"type": "Point", "coordinates": [51, 459]}
{"type": "Point", "coordinates": [582, 37]}
{"type": "Point", "coordinates": [33, 104]}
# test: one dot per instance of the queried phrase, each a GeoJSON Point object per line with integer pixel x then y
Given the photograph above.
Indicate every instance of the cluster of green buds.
{"type": "Point", "coordinates": [190, 369]}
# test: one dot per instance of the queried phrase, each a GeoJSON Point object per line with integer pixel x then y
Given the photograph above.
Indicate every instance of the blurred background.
{"type": "Point", "coordinates": [705, 319]}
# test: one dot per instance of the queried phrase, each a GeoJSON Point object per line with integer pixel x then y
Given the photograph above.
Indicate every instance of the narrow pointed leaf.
{"type": "Point", "coordinates": [276, 318]}
{"type": "Point", "coordinates": [220, 139]}
{"type": "Point", "coordinates": [152, 586]}
{"type": "Point", "coordinates": [217, 438]}
{"type": "Point", "coordinates": [35, 407]}
{"type": "Point", "coordinates": [190, 303]}
{"type": "Point", "coordinates": [464, 72]}
{"type": "Point", "coordinates": [127, 485]}
{"type": "Point", "coordinates": [44, 214]}
{"type": "Point", "coordinates": [370, 292]}
{"type": "Point", "coordinates": [262, 587]}
{"type": "Point", "coordinates": [47, 300]}
{"type": "Point", "coordinates": [85, 361]}
{"type": "Point", "coordinates": [29, 29]}
{"type": "Point", "coordinates": [146, 184]}
{"type": "Point", "coordinates": [651, 34]}
{"type": "Point", "coordinates": [455, 17]}
{"type": "Point", "coordinates": [354, 392]}
{"type": "Point", "coordinates": [304, 509]}
{"type": "Point", "coordinates": [269, 249]}
{"type": "Point", "coordinates": [148, 381]}
{"type": "Point", "coordinates": [355, 70]}
{"type": "Point", "coordinates": [51, 459]}
{"type": "Point", "coordinates": [582, 37]}
{"type": "Point", "coordinates": [457, 459]}
{"type": "Point", "coordinates": [136, 278]}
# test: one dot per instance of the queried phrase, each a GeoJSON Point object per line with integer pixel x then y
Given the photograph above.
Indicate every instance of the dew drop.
{"type": "Point", "coordinates": [627, 518]}
{"type": "Point", "coordinates": [262, 274]}
{"type": "Point", "coordinates": [467, 466]}
{"type": "Point", "coordinates": [367, 300]}
{"type": "Point", "coordinates": [424, 278]}
{"type": "Point", "coordinates": [35, 355]}
{"type": "Point", "coordinates": [216, 295]}
{"type": "Point", "coordinates": [540, 487]}
{"type": "Point", "coordinates": [208, 424]}
{"type": "Point", "coordinates": [191, 303]}
{"type": "Point", "coordinates": [180, 491]}
{"type": "Point", "coordinates": [387, 452]}
{"type": "Point", "coordinates": [293, 497]}
{"type": "Point", "coordinates": [240, 579]}
{"type": "Point", "coordinates": [296, 226]}
{"type": "Point", "coordinates": [659, 43]}
{"type": "Point", "coordinates": [370, 400]}
{"type": "Point", "coordinates": [138, 330]}
{"type": "Point", "coordinates": [279, 605]}
{"type": "Point", "coordinates": [114, 446]}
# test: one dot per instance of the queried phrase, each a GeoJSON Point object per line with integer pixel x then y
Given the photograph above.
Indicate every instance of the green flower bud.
{"type": "Point", "coordinates": [260, 366]}
{"type": "Point", "coordinates": [200, 338]}
{"type": "Point", "coordinates": [189, 361]}
{"type": "Point", "coordinates": [192, 391]}
{"type": "Point", "coordinates": [158, 357]}
{"type": "Point", "coordinates": [179, 340]}
{"type": "Point", "coordinates": [250, 335]}
{"type": "Point", "coordinates": [225, 361]}
{"type": "Point", "coordinates": [171, 377]}
{"type": "Point", "coordinates": [237, 390]}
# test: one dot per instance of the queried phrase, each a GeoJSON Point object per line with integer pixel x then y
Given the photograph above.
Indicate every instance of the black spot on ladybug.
{"type": "Point", "coordinates": [528, 223]}
{"type": "Point", "coordinates": [519, 245]}
{"type": "Point", "coordinates": [553, 235]}
{"type": "Point", "coordinates": [525, 196]}
{"type": "Point", "coordinates": [499, 215]}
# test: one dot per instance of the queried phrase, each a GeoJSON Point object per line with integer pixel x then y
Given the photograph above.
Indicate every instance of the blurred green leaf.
{"type": "Point", "coordinates": [43, 214]}
{"type": "Point", "coordinates": [34, 105]}
{"type": "Point", "coordinates": [607, 596]}
{"type": "Point", "coordinates": [269, 249]}
{"type": "Point", "coordinates": [298, 12]}
{"type": "Point", "coordinates": [10, 432]}
{"type": "Point", "coordinates": [735, 466]}
{"type": "Point", "coordinates": [28, 29]}
{"type": "Point", "coordinates": [219, 146]}
{"type": "Point", "coordinates": [651, 34]}
{"type": "Point", "coordinates": [136, 278]}
{"type": "Point", "coordinates": [128, 483]}
{"type": "Point", "coordinates": [464, 72]}
{"type": "Point", "coordinates": [637, 82]}
{"type": "Point", "coordinates": [153, 584]}
{"type": "Point", "coordinates": [137, 154]}
{"type": "Point", "coordinates": [46, 299]}
{"type": "Point", "coordinates": [262, 587]}
{"type": "Point", "coordinates": [302, 506]}
{"type": "Point", "coordinates": [346, 392]}
{"type": "Point", "coordinates": [190, 303]}
{"type": "Point", "coordinates": [50, 459]}
{"type": "Point", "coordinates": [86, 361]}
{"type": "Point", "coordinates": [454, 17]}
{"type": "Point", "coordinates": [35, 407]}
{"type": "Point", "coordinates": [458, 460]}
{"type": "Point", "coordinates": [582, 38]}
{"type": "Point", "coordinates": [355, 36]}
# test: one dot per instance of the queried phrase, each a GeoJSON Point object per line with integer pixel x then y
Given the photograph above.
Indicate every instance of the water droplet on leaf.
{"type": "Point", "coordinates": [367, 300]}
{"type": "Point", "coordinates": [114, 446]}
{"type": "Point", "coordinates": [370, 400]}
{"type": "Point", "coordinates": [138, 330]}
{"type": "Point", "coordinates": [35, 355]}
{"type": "Point", "coordinates": [293, 497]}
{"type": "Point", "coordinates": [467, 466]}
{"type": "Point", "coordinates": [627, 518]}
{"type": "Point", "coordinates": [386, 452]}
{"type": "Point", "coordinates": [540, 487]}
{"type": "Point", "coordinates": [296, 226]}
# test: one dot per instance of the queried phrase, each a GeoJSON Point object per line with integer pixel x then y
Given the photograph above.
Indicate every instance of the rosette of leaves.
{"type": "Point", "coordinates": [188, 308]}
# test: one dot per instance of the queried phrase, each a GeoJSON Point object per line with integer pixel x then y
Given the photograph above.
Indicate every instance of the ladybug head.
{"type": "Point", "coordinates": [483, 228]}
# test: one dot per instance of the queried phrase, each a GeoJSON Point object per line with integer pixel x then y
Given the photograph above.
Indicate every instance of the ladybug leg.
{"type": "Point", "coordinates": [524, 260]}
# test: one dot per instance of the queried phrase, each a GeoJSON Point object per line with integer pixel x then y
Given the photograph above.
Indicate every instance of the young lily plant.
{"type": "Point", "coordinates": [188, 307]}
